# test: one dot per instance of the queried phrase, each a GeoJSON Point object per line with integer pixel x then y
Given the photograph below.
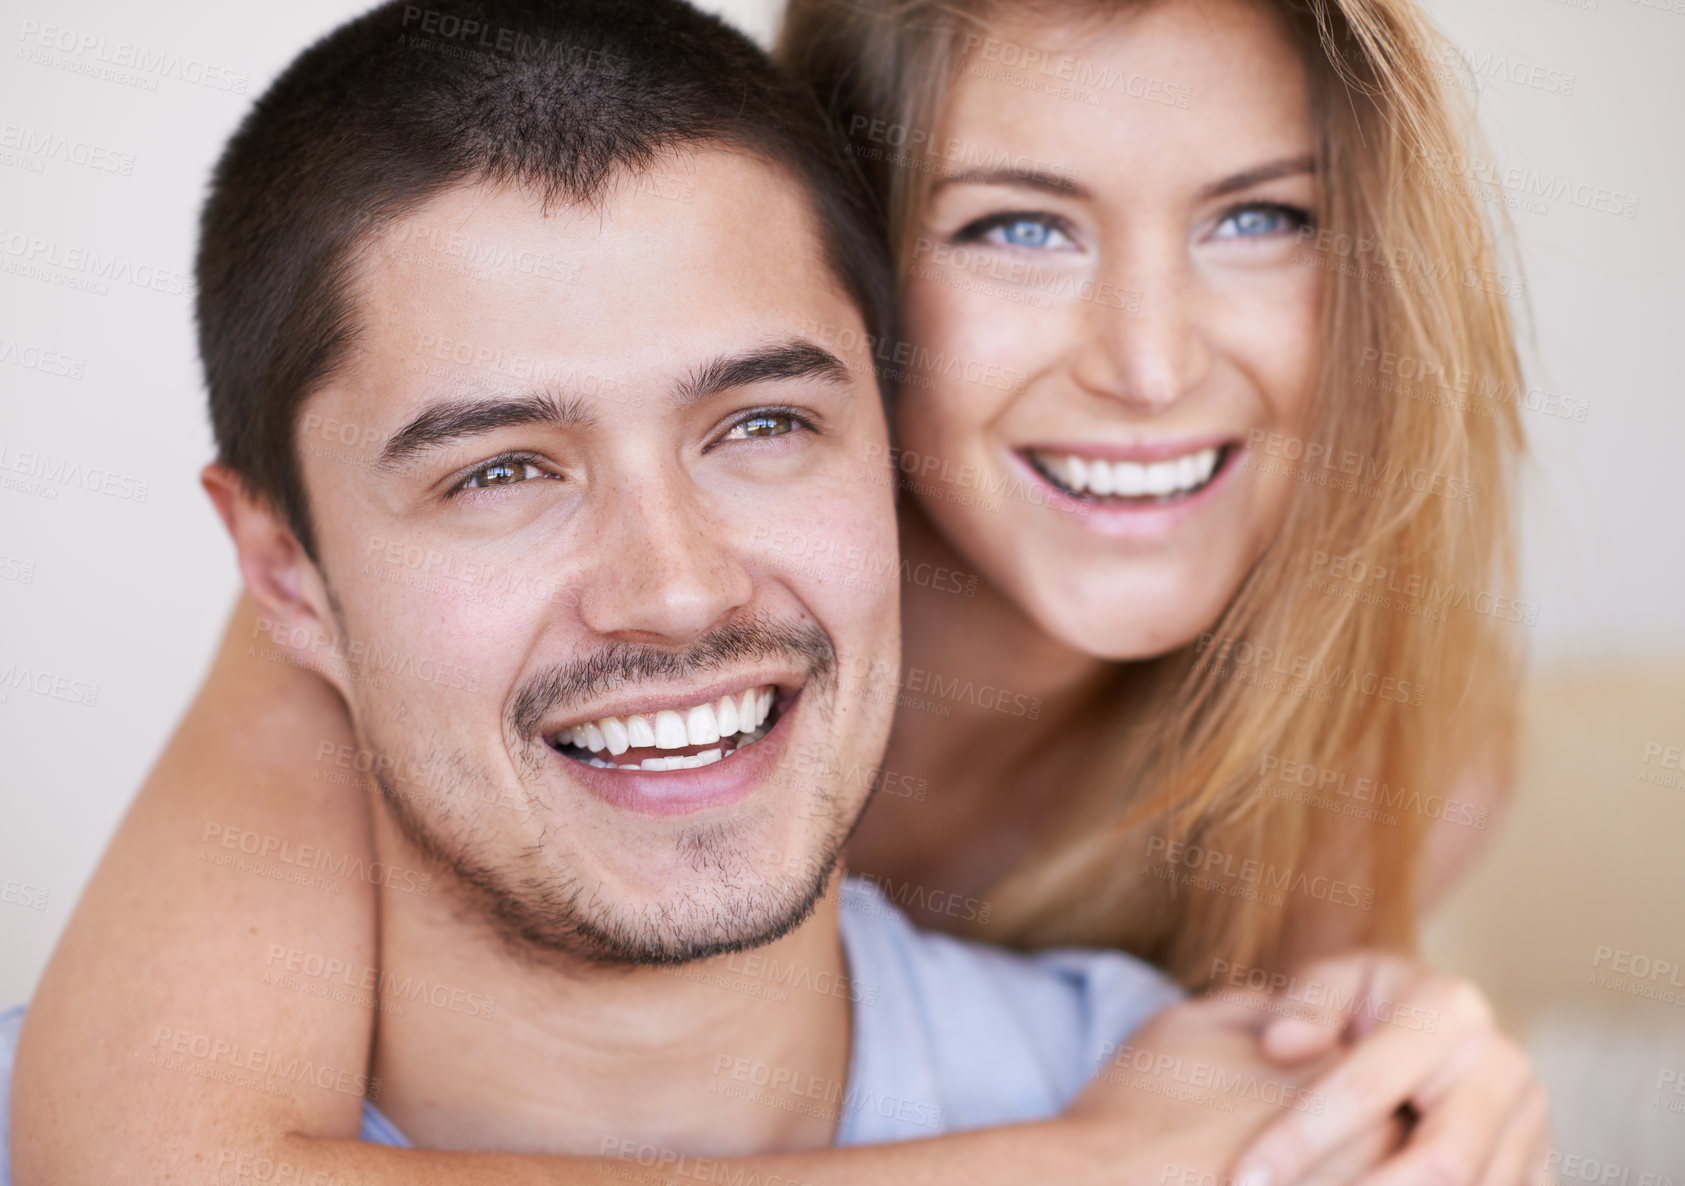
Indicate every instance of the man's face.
{"type": "Point", "coordinates": [553, 493]}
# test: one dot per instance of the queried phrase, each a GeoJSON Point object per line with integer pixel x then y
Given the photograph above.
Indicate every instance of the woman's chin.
{"type": "Point", "coordinates": [1107, 627]}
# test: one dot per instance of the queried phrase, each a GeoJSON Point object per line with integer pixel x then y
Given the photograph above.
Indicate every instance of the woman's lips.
{"type": "Point", "coordinates": [1138, 492]}
{"type": "Point", "coordinates": [1148, 475]}
{"type": "Point", "coordinates": [1099, 477]}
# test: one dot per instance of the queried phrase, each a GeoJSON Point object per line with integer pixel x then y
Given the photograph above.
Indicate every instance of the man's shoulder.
{"type": "Point", "coordinates": [11, 1024]}
{"type": "Point", "coordinates": [1068, 989]}
{"type": "Point", "coordinates": [982, 1035]}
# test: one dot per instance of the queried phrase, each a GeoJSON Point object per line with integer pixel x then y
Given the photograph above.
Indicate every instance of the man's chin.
{"type": "Point", "coordinates": [709, 891]}
{"type": "Point", "coordinates": [681, 932]}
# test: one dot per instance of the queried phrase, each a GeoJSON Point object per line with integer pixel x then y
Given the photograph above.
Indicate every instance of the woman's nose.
{"type": "Point", "coordinates": [1147, 348]}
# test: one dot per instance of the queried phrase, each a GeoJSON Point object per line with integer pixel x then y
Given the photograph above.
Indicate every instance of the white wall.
{"type": "Point", "coordinates": [121, 593]}
{"type": "Point", "coordinates": [124, 588]}
{"type": "Point", "coordinates": [1605, 550]}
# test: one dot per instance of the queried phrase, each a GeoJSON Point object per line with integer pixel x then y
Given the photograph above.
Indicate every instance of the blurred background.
{"type": "Point", "coordinates": [117, 587]}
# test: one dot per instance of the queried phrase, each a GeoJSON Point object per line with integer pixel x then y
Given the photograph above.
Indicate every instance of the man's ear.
{"type": "Point", "coordinates": [294, 610]}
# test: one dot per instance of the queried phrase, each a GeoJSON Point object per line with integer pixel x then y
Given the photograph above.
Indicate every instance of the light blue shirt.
{"type": "Point", "coordinates": [948, 1035]}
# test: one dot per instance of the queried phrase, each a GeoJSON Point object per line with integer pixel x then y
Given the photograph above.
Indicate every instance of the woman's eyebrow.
{"type": "Point", "coordinates": [1274, 170]}
{"type": "Point", "coordinates": [1058, 183]}
{"type": "Point", "coordinates": [1047, 180]}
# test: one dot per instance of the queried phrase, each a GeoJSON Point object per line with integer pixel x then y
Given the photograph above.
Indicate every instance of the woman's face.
{"type": "Point", "coordinates": [1106, 308]}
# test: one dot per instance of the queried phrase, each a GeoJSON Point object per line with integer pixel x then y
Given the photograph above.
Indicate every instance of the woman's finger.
{"type": "Point", "coordinates": [1391, 1066]}
{"type": "Point", "coordinates": [1470, 1129]}
{"type": "Point", "coordinates": [1335, 998]}
{"type": "Point", "coordinates": [1524, 1152]}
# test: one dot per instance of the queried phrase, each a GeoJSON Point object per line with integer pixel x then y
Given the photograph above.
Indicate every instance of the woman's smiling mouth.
{"type": "Point", "coordinates": [1125, 482]}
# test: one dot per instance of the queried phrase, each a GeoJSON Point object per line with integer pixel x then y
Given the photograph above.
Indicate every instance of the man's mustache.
{"type": "Point", "coordinates": [618, 664]}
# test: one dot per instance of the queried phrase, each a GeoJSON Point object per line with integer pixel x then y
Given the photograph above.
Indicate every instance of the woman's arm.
{"type": "Point", "coordinates": [130, 1065]}
{"type": "Point", "coordinates": [1129, 1126]}
{"type": "Point", "coordinates": [167, 976]}
{"type": "Point", "coordinates": [1468, 819]}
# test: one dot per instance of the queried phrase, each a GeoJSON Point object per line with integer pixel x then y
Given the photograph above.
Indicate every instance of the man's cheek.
{"type": "Point", "coordinates": [427, 641]}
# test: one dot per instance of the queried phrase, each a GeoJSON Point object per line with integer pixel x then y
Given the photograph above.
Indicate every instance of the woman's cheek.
{"type": "Point", "coordinates": [972, 352]}
{"type": "Point", "coordinates": [936, 326]}
{"type": "Point", "coordinates": [1290, 349]}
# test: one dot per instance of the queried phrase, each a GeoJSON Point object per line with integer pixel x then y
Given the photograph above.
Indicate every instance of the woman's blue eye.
{"type": "Point", "coordinates": [1257, 221]}
{"type": "Point", "coordinates": [1034, 233]}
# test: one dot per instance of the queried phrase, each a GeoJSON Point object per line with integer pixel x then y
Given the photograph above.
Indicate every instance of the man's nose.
{"type": "Point", "coordinates": [664, 571]}
{"type": "Point", "coordinates": [1145, 345]}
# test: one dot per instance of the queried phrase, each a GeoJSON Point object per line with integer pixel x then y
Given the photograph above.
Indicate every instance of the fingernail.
{"type": "Point", "coordinates": [1255, 1177]}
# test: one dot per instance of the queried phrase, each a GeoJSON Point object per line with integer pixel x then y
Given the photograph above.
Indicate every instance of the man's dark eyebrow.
{"type": "Point", "coordinates": [1274, 170]}
{"type": "Point", "coordinates": [1047, 180]}
{"type": "Point", "coordinates": [455, 419]}
{"type": "Point", "coordinates": [788, 360]}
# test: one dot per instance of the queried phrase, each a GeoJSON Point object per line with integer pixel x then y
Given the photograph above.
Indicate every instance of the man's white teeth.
{"type": "Point", "coordinates": [639, 730]}
{"type": "Point", "coordinates": [725, 716]}
{"type": "Point", "coordinates": [615, 735]}
{"type": "Point", "coordinates": [683, 762]}
{"type": "Point", "coordinates": [1131, 479]}
{"type": "Point", "coordinates": [676, 728]}
{"type": "Point", "coordinates": [702, 725]}
{"type": "Point", "coordinates": [678, 762]}
{"type": "Point", "coordinates": [670, 730]}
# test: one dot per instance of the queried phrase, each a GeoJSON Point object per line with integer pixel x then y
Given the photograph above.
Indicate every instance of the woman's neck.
{"type": "Point", "coordinates": [962, 625]}
{"type": "Point", "coordinates": [979, 756]}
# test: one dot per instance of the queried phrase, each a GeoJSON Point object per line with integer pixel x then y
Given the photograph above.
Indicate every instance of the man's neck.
{"type": "Point", "coordinates": [477, 1048]}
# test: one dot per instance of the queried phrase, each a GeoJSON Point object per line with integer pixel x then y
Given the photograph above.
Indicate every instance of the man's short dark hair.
{"type": "Point", "coordinates": [409, 100]}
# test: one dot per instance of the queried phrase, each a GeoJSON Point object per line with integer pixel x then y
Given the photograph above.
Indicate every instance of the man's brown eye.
{"type": "Point", "coordinates": [501, 473]}
{"type": "Point", "coordinates": [767, 426]}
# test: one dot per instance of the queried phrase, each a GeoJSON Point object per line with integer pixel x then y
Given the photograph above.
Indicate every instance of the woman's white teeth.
{"type": "Point", "coordinates": [1099, 480]}
{"type": "Point", "coordinates": [675, 728]}
{"type": "Point", "coordinates": [1131, 479]}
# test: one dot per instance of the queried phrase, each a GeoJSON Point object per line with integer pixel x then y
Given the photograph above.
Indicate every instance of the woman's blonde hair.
{"type": "Point", "coordinates": [1409, 682]}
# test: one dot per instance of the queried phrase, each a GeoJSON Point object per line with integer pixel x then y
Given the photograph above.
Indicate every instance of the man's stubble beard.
{"type": "Point", "coordinates": [541, 909]}
{"type": "Point", "coordinates": [546, 911]}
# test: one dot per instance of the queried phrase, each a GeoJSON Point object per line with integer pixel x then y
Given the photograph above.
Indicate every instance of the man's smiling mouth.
{"type": "Point", "coordinates": [683, 737]}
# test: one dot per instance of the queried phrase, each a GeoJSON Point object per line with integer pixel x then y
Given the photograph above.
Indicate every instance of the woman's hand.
{"type": "Point", "coordinates": [1416, 1039]}
{"type": "Point", "coordinates": [1194, 1078]}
